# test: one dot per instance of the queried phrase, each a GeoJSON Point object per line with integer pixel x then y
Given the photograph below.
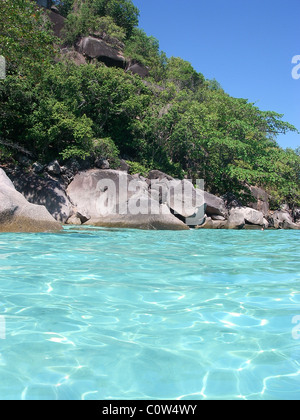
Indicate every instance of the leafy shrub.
{"type": "Point", "coordinates": [106, 149]}
{"type": "Point", "coordinates": [137, 168]}
{"type": "Point", "coordinates": [115, 18]}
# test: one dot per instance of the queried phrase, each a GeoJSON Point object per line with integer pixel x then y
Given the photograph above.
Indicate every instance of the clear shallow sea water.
{"type": "Point", "coordinates": [126, 314]}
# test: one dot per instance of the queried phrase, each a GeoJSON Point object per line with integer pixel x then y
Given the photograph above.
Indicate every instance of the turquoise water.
{"type": "Point", "coordinates": [125, 314]}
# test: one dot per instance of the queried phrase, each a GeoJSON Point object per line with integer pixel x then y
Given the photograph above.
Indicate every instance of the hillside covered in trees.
{"type": "Point", "coordinates": [172, 118]}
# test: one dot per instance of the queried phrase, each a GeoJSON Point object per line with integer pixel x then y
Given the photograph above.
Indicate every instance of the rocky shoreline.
{"type": "Point", "coordinates": [37, 198]}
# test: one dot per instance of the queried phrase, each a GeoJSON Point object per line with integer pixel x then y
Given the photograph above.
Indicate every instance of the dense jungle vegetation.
{"type": "Point", "coordinates": [175, 120]}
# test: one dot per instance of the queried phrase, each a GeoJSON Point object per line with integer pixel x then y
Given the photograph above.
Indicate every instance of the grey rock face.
{"type": "Point", "coordinates": [37, 168]}
{"type": "Point", "coordinates": [18, 215]}
{"type": "Point", "coordinates": [53, 168]}
{"type": "Point", "coordinates": [116, 199]}
{"type": "Point", "coordinates": [240, 216]}
{"type": "Point", "coordinates": [97, 48]}
{"type": "Point", "coordinates": [139, 69]}
{"type": "Point", "coordinates": [155, 174]}
{"type": "Point", "coordinates": [184, 200]}
{"type": "Point", "coordinates": [215, 205]}
{"type": "Point", "coordinates": [210, 223]}
{"type": "Point", "coordinates": [262, 197]}
{"type": "Point", "coordinates": [282, 220]}
{"type": "Point", "coordinates": [236, 219]}
{"type": "Point", "coordinates": [102, 163]}
{"type": "Point", "coordinates": [253, 217]}
{"type": "Point", "coordinates": [44, 192]}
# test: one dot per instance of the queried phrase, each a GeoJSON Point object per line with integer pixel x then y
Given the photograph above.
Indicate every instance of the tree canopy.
{"type": "Point", "coordinates": [26, 39]}
{"type": "Point", "coordinates": [89, 15]}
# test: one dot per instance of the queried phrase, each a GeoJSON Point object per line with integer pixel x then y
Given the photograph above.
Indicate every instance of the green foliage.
{"type": "Point", "coordinates": [107, 149]}
{"type": "Point", "coordinates": [145, 50]}
{"type": "Point", "coordinates": [214, 84]}
{"type": "Point", "coordinates": [74, 152]}
{"type": "Point", "coordinates": [123, 12]}
{"type": "Point", "coordinates": [138, 168]}
{"type": "Point", "coordinates": [107, 28]}
{"type": "Point", "coordinates": [182, 74]}
{"type": "Point", "coordinates": [55, 131]}
{"type": "Point", "coordinates": [64, 6]}
{"type": "Point", "coordinates": [26, 40]}
{"type": "Point", "coordinates": [6, 155]}
{"type": "Point", "coordinates": [70, 106]}
{"type": "Point", "coordinates": [86, 24]}
{"type": "Point", "coordinates": [115, 18]}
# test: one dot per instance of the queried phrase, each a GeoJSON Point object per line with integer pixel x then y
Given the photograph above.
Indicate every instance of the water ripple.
{"type": "Point", "coordinates": [121, 314]}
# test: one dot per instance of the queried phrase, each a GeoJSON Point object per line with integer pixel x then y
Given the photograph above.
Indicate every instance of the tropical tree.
{"type": "Point", "coordinates": [26, 39]}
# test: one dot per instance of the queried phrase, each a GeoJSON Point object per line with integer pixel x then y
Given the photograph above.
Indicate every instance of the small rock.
{"type": "Point", "coordinates": [155, 174]}
{"type": "Point", "coordinates": [124, 166]}
{"type": "Point", "coordinates": [284, 207]}
{"type": "Point", "coordinates": [102, 163]}
{"type": "Point", "coordinates": [217, 217]}
{"type": "Point", "coordinates": [265, 224]}
{"type": "Point", "coordinates": [74, 220]}
{"type": "Point", "coordinates": [296, 215]}
{"type": "Point", "coordinates": [82, 218]}
{"type": "Point", "coordinates": [54, 168]}
{"type": "Point", "coordinates": [37, 168]}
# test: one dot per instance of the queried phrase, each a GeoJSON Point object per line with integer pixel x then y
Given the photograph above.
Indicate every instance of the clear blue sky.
{"type": "Point", "coordinates": [246, 45]}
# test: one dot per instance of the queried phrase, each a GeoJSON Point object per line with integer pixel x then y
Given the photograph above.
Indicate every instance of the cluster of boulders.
{"type": "Point", "coordinates": [44, 197]}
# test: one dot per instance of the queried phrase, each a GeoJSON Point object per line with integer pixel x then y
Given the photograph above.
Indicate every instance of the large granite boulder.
{"type": "Point", "coordinates": [215, 205]}
{"type": "Point", "coordinates": [92, 47]}
{"type": "Point", "coordinates": [236, 219]}
{"type": "Point", "coordinates": [252, 216]}
{"type": "Point", "coordinates": [5, 182]}
{"type": "Point", "coordinates": [210, 223]}
{"type": "Point", "coordinates": [44, 191]}
{"type": "Point", "coordinates": [18, 215]}
{"type": "Point", "coordinates": [155, 174]}
{"type": "Point", "coordinates": [262, 200]}
{"type": "Point", "coordinates": [139, 69]}
{"type": "Point", "coordinates": [239, 217]}
{"type": "Point", "coordinates": [183, 199]}
{"type": "Point", "coordinates": [58, 22]}
{"type": "Point", "coordinates": [115, 199]}
{"type": "Point", "coordinates": [281, 219]}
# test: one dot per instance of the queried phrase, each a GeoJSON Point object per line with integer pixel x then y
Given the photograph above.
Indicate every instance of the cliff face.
{"type": "Point", "coordinates": [18, 215]}
{"type": "Point", "coordinates": [92, 47]}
